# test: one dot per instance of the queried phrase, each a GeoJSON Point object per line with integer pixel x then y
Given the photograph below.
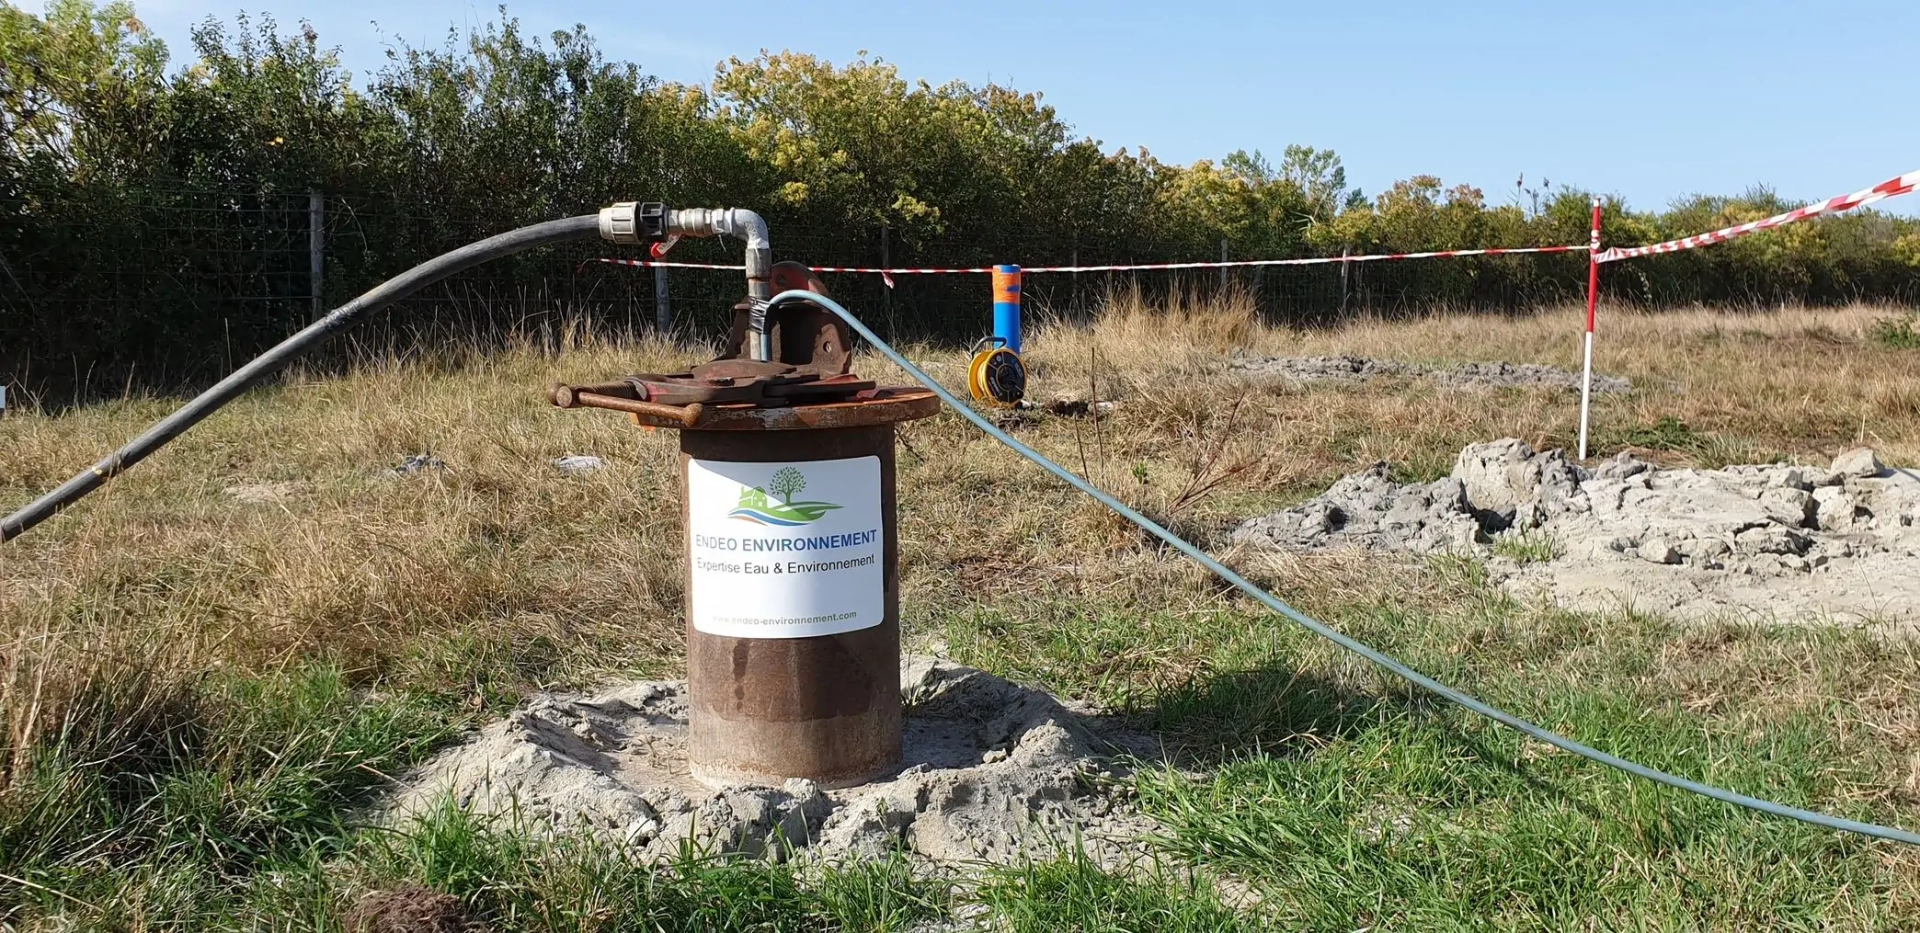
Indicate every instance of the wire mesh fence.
{"type": "Point", "coordinates": [172, 288]}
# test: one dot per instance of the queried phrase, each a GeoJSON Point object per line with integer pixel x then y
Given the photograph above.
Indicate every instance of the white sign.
{"type": "Point", "coordinates": [786, 550]}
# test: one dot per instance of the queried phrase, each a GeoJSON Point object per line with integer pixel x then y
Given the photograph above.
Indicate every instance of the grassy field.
{"type": "Point", "coordinates": [207, 668]}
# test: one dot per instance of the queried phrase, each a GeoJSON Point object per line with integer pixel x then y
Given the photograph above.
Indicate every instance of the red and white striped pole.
{"type": "Point", "coordinates": [1593, 302]}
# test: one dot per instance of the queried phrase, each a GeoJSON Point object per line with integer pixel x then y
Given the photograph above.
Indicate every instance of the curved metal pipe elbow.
{"type": "Point", "coordinates": [736, 222]}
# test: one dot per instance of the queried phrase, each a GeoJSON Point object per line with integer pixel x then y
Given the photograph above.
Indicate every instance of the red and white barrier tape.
{"type": "Point", "coordinates": [1309, 261]}
{"type": "Point", "coordinates": [1891, 188]}
{"type": "Point", "coordinates": [1312, 260]}
{"type": "Point", "coordinates": [663, 264]}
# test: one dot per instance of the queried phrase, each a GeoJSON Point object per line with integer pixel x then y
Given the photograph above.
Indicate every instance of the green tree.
{"type": "Point", "coordinates": [786, 483]}
{"type": "Point", "coordinates": [155, 221]}
{"type": "Point", "coordinates": [81, 89]}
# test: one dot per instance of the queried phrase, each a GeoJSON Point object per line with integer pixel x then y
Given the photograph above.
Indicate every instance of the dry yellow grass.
{"type": "Point", "coordinates": [1801, 382]}
{"type": "Point", "coordinates": [275, 533]}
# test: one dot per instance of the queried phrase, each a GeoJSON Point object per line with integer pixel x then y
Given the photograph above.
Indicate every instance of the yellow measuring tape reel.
{"type": "Point", "coordinates": [996, 375]}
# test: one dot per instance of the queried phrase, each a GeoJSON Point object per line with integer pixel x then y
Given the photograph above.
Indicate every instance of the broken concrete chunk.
{"type": "Point", "coordinates": [1771, 539]}
{"type": "Point", "coordinates": [1528, 516]}
{"type": "Point", "coordinates": [1503, 476]}
{"type": "Point", "coordinates": [1692, 542]}
{"type": "Point", "coordinates": [1789, 478]}
{"type": "Point", "coordinates": [1834, 509]}
{"type": "Point", "coordinates": [1621, 466]}
{"type": "Point", "coordinates": [1817, 478]}
{"type": "Point", "coordinates": [1705, 553]}
{"type": "Point", "coordinates": [1860, 461]}
{"type": "Point", "coordinates": [1658, 551]}
{"type": "Point", "coordinates": [1498, 476]}
{"type": "Point", "coordinates": [1370, 508]}
{"type": "Point", "coordinates": [1789, 506]}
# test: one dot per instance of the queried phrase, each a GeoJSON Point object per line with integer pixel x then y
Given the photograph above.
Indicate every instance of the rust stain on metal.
{"type": "Point", "coordinates": [870, 407]}
{"type": "Point", "coordinates": [811, 351]}
{"type": "Point", "coordinates": [650, 413]}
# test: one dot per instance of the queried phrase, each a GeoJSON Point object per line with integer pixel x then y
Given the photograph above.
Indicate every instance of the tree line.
{"type": "Point", "coordinates": [154, 213]}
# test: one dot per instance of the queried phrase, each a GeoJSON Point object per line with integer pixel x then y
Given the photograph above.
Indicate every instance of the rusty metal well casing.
{"type": "Point", "coordinates": [793, 604]}
{"type": "Point", "coordinates": [826, 707]}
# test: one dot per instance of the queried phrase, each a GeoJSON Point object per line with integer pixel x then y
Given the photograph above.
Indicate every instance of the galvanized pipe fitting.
{"type": "Point", "coordinates": [749, 226]}
{"type": "Point", "coordinates": [630, 222]}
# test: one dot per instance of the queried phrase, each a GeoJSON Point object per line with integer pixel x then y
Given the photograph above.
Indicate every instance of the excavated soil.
{"type": "Point", "coordinates": [1773, 542]}
{"type": "Point", "coordinates": [992, 772]}
{"type": "Point", "coordinates": [1358, 369]}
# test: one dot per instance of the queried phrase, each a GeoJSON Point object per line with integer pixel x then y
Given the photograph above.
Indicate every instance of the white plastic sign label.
{"type": "Point", "coordinates": [785, 550]}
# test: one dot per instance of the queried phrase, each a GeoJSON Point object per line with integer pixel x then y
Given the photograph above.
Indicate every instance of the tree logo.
{"type": "Point", "coordinates": [780, 508]}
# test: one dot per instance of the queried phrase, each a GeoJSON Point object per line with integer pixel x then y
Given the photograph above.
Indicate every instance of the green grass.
{"type": "Point", "coordinates": [1071, 894]}
{"type": "Point", "coordinates": [1708, 449]}
{"type": "Point", "coordinates": [233, 805]}
{"type": "Point", "coordinates": [579, 883]}
{"type": "Point", "coordinates": [1416, 819]}
{"type": "Point", "coordinates": [1896, 333]}
{"type": "Point", "coordinates": [1531, 546]}
{"type": "Point", "coordinates": [1332, 796]}
{"type": "Point", "coordinates": [226, 684]}
{"type": "Point", "coordinates": [1347, 801]}
{"type": "Point", "coordinates": [156, 798]}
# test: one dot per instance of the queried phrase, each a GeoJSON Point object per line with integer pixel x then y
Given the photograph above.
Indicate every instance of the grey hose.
{"type": "Point", "coordinates": [244, 378]}
{"type": "Point", "coordinates": [1329, 633]}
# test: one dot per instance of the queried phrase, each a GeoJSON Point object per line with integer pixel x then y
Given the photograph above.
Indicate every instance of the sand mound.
{"type": "Point", "coordinates": [1789, 543]}
{"type": "Point", "coordinates": [993, 772]}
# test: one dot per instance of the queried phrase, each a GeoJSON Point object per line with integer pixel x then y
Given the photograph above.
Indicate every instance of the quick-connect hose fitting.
{"type": "Point", "coordinates": [634, 222]}
{"type": "Point", "coordinates": [620, 223]}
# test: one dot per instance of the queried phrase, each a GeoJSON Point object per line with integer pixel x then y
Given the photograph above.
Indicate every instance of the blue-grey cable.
{"type": "Point", "coordinates": [1325, 631]}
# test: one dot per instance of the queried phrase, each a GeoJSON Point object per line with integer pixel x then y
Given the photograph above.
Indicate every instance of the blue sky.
{"type": "Point", "coordinates": [1651, 101]}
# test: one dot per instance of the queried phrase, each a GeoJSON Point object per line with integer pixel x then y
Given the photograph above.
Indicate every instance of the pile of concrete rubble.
{"type": "Point", "coordinates": [1787, 542]}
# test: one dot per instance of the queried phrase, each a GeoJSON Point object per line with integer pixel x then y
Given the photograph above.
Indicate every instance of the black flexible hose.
{"type": "Point", "coordinates": [244, 378]}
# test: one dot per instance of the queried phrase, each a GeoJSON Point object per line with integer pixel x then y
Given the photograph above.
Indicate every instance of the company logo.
{"type": "Point", "coordinates": [774, 504]}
